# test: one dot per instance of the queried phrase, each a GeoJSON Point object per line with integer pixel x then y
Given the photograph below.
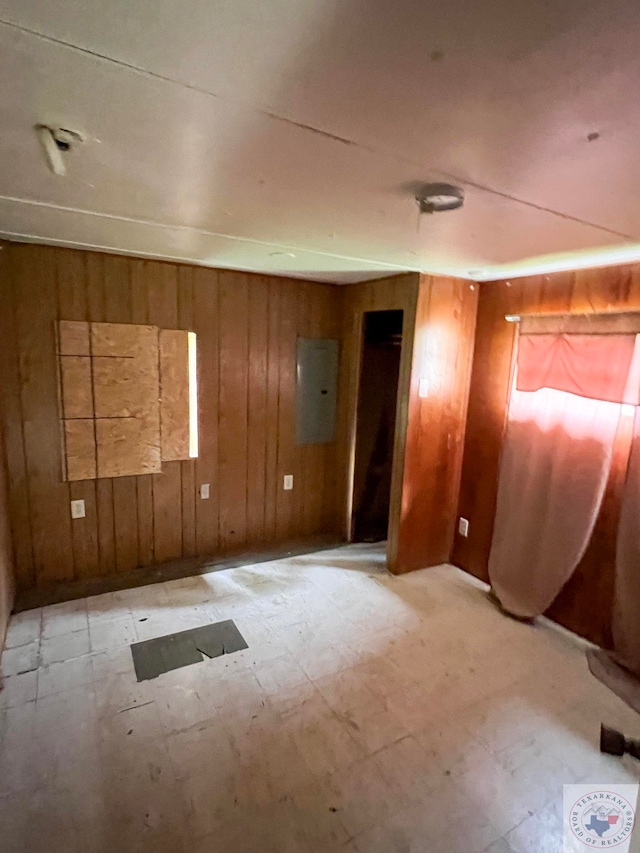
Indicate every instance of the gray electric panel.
{"type": "Point", "coordinates": [316, 390]}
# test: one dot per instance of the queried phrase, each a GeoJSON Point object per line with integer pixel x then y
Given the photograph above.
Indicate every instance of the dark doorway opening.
{"type": "Point", "coordinates": [376, 424]}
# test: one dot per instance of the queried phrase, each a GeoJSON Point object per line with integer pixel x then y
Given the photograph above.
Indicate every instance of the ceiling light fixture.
{"type": "Point", "coordinates": [434, 198]}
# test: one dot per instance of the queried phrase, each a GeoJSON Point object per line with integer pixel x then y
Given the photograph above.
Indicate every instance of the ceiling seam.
{"type": "Point", "coordinates": [310, 128]}
{"type": "Point", "coordinates": [119, 62]}
{"type": "Point", "coordinates": [542, 208]}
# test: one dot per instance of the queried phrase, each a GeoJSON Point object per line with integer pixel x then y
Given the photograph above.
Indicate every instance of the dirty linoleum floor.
{"type": "Point", "coordinates": [370, 713]}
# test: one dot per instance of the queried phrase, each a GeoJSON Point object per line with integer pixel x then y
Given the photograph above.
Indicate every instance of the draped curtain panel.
{"type": "Point", "coordinates": [555, 464]}
{"type": "Point", "coordinates": [626, 614]}
{"type": "Point", "coordinates": [562, 422]}
{"type": "Point", "coordinates": [595, 366]}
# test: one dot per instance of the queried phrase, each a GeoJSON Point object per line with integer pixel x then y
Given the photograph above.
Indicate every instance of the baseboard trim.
{"type": "Point", "coordinates": [173, 570]}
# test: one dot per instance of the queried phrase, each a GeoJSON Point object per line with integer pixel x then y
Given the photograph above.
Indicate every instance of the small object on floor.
{"type": "Point", "coordinates": [152, 658]}
{"type": "Point", "coordinates": [613, 742]}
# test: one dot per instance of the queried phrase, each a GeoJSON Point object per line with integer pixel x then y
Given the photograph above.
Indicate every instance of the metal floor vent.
{"type": "Point", "coordinates": [162, 654]}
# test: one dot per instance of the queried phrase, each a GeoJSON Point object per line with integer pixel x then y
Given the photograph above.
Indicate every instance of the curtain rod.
{"type": "Point", "coordinates": [517, 318]}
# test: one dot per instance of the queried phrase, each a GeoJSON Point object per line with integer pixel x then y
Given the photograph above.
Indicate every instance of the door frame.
{"type": "Point", "coordinates": [405, 301]}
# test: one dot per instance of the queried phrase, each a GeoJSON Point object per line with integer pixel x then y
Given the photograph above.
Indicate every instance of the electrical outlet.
{"type": "Point", "coordinates": [204, 491]}
{"type": "Point", "coordinates": [288, 482]}
{"type": "Point", "coordinates": [463, 526]}
{"type": "Point", "coordinates": [77, 509]}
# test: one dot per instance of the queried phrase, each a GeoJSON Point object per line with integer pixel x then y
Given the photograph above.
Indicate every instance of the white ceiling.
{"type": "Point", "coordinates": [288, 135]}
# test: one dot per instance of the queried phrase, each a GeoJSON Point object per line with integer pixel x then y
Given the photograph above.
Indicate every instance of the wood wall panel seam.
{"type": "Point", "coordinates": [71, 278]}
{"type": "Point", "coordinates": [271, 431]}
{"type": "Point", "coordinates": [48, 493]}
{"type": "Point", "coordinates": [21, 515]}
{"type": "Point", "coordinates": [8, 562]}
{"type": "Point", "coordinates": [167, 484]}
{"type": "Point", "coordinates": [247, 411]}
{"type": "Point", "coordinates": [188, 466]}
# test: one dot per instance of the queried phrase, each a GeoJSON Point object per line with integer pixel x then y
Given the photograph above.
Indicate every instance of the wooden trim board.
{"type": "Point", "coordinates": [171, 570]}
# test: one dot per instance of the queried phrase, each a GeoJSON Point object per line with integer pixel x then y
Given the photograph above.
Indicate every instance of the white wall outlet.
{"type": "Point", "coordinates": [463, 526]}
{"type": "Point", "coordinates": [204, 491]}
{"type": "Point", "coordinates": [77, 509]}
{"type": "Point", "coordinates": [288, 482]}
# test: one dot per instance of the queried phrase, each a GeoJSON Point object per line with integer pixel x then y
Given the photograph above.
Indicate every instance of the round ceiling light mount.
{"type": "Point", "coordinates": [434, 198]}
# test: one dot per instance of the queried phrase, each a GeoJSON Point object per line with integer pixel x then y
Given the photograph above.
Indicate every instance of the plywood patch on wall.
{"type": "Point", "coordinates": [73, 337]}
{"type": "Point", "coordinates": [126, 393]}
{"type": "Point", "coordinates": [77, 391]}
{"type": "Point", "coordinates": [80, 447]}
{"type": "Point", "coordinates": [111, 375]}
{"type": "Point", "coordinates": [174, 393]}
{"type": "Point", "coordinates": [126, 446]}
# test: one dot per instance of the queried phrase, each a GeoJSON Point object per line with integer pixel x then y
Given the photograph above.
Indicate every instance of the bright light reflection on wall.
{"type": "Point", "coordinates": [580, 417]}
{"type": "Point", "coordinates": [433, 362]}
{"type": "Point", "coordinates": [602, 257]}
{"type": "Point", "coordinates": [193, 395]}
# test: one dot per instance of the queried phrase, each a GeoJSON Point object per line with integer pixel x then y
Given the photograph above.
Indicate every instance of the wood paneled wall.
{"type": "Point", "coordinates": [6, 540]}
{"type": "Point", "coordinates": [395, 293]}
{"type": "Point", "coordinates": [247, 327]}
{"type": "Point", "coordinates": [584, 605]}
{"type": "Point", "coordinates": [442, 353]}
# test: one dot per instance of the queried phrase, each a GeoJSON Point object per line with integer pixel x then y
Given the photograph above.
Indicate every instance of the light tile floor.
{"type": "Point", "coordinates": [370, 713]}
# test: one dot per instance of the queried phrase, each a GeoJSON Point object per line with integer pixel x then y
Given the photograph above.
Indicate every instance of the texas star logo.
{"type": "Point", "coordinates": [602, 819]}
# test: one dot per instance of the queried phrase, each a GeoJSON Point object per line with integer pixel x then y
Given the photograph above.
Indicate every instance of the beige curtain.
{"type": "Point", "coordinates": [555, 463]}
{"type": "Point", "coordinates": [626, 613]}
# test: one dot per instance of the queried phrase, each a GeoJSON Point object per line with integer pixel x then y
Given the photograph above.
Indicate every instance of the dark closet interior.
{"type": "Point", "coordinates": [375, 425]}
